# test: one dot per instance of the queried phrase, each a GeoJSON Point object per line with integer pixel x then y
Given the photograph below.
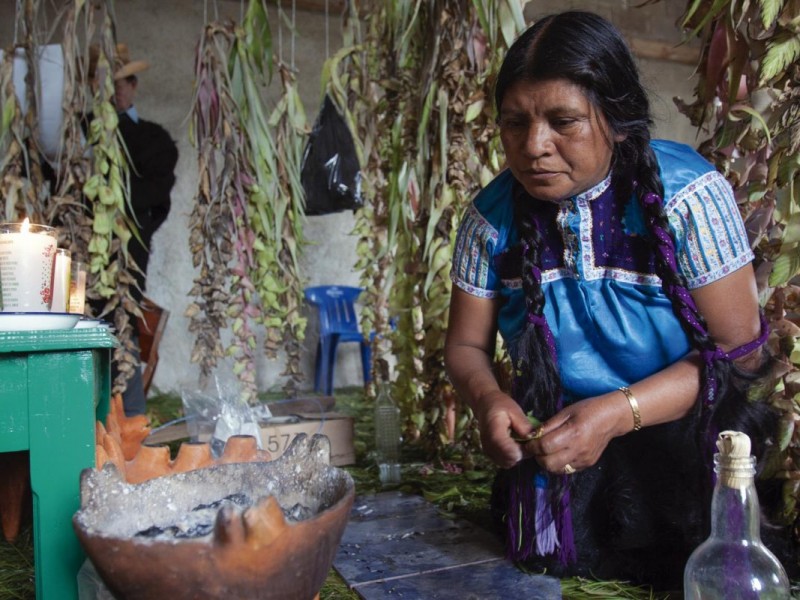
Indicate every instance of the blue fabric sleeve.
{"type": "Point", "coordinates": [472, 256]}
{"type": "Point", "coordinates": [482, 235]}
{"type": "Point", "coordinates": [711, 238]}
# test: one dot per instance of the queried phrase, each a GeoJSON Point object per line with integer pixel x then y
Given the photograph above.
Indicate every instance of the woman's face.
{"type": "Point", "coordinates": [557, 143]}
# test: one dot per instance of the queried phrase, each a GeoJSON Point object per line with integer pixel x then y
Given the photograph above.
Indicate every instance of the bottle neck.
{"type": "Point", "coordinates": [735, 511]}
{"type": "Point", "coordinates": [384, 394]}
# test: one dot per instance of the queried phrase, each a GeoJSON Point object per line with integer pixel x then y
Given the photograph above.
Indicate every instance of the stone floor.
{"type": "Point", "coordinates": [399, 546]}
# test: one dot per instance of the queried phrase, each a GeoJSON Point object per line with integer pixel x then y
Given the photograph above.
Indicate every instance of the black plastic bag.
{"type": "Point", "coordinates": [331, 175]}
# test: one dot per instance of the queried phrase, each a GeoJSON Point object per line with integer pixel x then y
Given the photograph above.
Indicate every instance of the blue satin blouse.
{"type": "Point", "coordinates": [612, 323]}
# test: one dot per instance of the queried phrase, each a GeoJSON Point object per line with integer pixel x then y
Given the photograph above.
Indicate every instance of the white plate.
{"type": "Point", "coordinates": [87, 323]}
{"type": "Point", "coordinates": [37, 321]}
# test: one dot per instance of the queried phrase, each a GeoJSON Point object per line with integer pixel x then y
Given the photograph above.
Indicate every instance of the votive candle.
{"type": "Point", "coordinates": [27, 253]}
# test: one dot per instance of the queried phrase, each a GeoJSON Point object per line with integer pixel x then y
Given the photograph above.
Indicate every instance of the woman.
{"type": "Point", "coordinates": [618, 272]}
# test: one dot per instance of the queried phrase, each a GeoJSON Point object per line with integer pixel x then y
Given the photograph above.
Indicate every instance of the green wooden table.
{"type": "Point", "coordinates": [54, 385]}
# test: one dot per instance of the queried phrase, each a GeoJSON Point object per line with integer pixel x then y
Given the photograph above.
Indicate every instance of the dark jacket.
{"type": "Point", "coordinates": [153, 156]}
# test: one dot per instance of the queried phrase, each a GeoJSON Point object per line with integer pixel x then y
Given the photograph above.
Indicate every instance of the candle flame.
{"type": "Point", "coordinates": [26, 225]}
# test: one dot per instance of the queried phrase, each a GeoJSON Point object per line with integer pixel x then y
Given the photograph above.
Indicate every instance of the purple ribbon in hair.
{"type": "Point", "coordinates": [666, 247]}
{"type": "Point", "coordinates": [740, 351]}
{"type": "Point", "coordinates": [689, 312]}
{"type": "Point", "coordinates": [709, 356]}
{"type": "Point", "coordinates": [541, 322]}
{"type": "Point", "coordinates": [545, 521]}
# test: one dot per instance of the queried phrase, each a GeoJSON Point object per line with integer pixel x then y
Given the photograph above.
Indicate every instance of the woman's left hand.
{"type": "Point", "coordinates": [575, 437]}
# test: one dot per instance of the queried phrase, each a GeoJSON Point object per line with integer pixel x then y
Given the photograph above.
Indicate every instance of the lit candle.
{"type": "Point", "coordinates": [27, 254]}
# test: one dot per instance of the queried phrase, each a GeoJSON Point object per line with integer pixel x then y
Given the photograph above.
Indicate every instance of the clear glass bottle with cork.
{"type": "Point", "coordinates": [387, 427]}
{"type": "Point", "coordinates": [733, 563]}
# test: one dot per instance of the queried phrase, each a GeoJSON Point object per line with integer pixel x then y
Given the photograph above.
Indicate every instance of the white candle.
{"type": "Point", "coordinates": [61, 277]}
{"type": "Point", "coordinates": [27, 253]}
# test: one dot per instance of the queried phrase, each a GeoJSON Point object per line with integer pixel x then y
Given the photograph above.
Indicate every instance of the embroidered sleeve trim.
{"type": "Point", "coordinates": [712, 241]}
{"type": "Point", "coordinates": [472, 254]}
{"type": "Point", "coordinates": [472, 290]}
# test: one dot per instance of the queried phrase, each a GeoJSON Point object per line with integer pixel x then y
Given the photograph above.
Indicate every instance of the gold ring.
{"type": "Point", "coordinates": [568, 469]}
{"type": "Point", "coordinates": [539, 432]}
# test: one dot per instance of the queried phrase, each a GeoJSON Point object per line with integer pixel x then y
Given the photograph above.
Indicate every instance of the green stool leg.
{"type": "Point", "coordinates": [62, 388]}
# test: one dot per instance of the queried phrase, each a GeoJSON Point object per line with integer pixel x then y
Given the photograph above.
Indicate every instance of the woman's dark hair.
{"type": "Point", "coordinates": [587, 50]}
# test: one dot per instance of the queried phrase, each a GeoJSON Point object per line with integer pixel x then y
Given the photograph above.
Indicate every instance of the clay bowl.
{"type": "Point", "coordinates": [261, 530]}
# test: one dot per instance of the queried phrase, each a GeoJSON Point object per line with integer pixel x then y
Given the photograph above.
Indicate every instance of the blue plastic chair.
{"type": "Point", "coordinates": [338, 323]}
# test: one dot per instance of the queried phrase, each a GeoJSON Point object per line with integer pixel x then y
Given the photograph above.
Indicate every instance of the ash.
{"type": "Point", "coordinates": [199, 522]}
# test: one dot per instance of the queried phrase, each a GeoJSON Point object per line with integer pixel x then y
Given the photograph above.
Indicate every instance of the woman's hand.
{"type": "Point", "coordinates": [578, 434]}
{"type": "Point", "coordinates": [500, 419]}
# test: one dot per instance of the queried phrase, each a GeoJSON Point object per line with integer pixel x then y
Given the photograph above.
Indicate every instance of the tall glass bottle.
{"type": "Point", "coordinates": [733, 563]}
{"type": "Point", "coordinates": [387, 435]}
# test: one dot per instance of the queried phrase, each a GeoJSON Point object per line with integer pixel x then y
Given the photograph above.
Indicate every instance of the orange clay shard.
{"type": "Point", "coordinates": [192, 456]}
{"type": "Point", "coordinates": [149, 462]}
{"type": "Point", "coordinates": [130, 432]}
{"type": "Point", "coordinates": [120, 441]}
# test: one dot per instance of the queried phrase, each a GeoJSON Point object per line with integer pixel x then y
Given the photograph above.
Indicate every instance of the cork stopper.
{"type": "Point", "coordinates": [733, 444]}
{"type": "Point", "coordinates": [735, 465]}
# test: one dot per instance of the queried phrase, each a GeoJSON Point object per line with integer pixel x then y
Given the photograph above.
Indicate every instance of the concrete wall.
{"type": "Point", "coordinates": [165, 34]}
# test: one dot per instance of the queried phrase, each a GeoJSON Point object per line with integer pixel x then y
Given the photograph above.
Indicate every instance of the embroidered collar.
{"type": "Point", "coordinates": [593, 192]}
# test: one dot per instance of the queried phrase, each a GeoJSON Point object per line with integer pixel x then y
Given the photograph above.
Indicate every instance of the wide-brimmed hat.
{"type": "Point", "coordinates": [123, 65]}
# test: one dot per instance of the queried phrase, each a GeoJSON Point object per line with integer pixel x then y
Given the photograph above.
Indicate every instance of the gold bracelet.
{"type": "Point", "coordinates": [637, 418]}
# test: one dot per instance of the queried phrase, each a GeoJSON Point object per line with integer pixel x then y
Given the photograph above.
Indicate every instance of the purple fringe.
{"type": "Point", "coordinates": [534, 528]}
{"type": "Point", "coordinates": [552, 521]}
{"type": "Point", "coordinates": [568, 553]}
{"type": "Point", "coordinates": [546, 533]}
{"type": "Point", "coordinates": [520, 544]}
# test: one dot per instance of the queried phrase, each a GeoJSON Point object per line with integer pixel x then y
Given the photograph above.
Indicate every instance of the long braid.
{"type": "Point", "coordinates": [649, 192]}
{"type": "Point", "coordinates": [722, 403]}
{"type": "Point", "coordinates": [537, 383]}
{"type": "Point", "coordinates": [537, 503]}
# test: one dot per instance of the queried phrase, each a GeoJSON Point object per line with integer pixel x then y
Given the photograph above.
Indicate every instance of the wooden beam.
{"type": "Point", "coordinates": [664, 51]}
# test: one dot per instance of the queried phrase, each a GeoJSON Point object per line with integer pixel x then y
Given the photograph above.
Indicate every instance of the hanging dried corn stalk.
{"type": "Point", "coordinates": [21, 181]}
{"type": "Point", "coordinates": [418, 96]}
{"type": "Point", "coordinates": [280, 223]}
{"type": "Point", "coordinates": [107, 191]}
{"type": "Point", "coordinates": [247, 221]}
{"type": "Point", "coordinates": [73, 164]}
{"type": "Point", "coordinates": [89, 200]}
{"type": "Point", "coordinates": [748, 105]}
{"type": "Point", "coordinates": [12, 145]}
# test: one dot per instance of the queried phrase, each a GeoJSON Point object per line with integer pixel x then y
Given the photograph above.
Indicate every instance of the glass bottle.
{"type": "Point", "coordinates": [733, 563]}
{"type": "Point", "coordinates": [387, 435]}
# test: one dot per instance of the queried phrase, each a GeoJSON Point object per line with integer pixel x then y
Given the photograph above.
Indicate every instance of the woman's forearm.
{"type": "Point", "coordinates": [470, 371]}
{"type": "Point", "coordinates": [664, 396]}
